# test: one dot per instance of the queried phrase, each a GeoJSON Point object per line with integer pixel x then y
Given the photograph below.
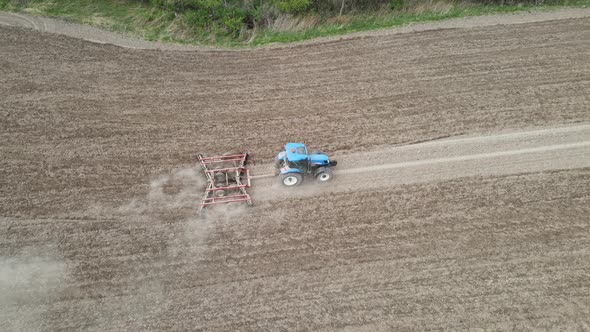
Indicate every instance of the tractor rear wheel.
{"type": "Point", "coordinates": [291, 179]}
{"type": "Point", "coordinates": [324, 175]}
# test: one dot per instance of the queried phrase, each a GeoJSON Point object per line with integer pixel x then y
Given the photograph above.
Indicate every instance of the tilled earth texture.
{"type": "Point", "coordinates": [461, 200]}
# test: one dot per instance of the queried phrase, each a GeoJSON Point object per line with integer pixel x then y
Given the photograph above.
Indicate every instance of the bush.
{"type": "Point", "coordinates": [196, 18]}
{"type": "Point", "coordinates": [396, 4]}
{"type": "Point", "coordinates": [293, 6]}
{"type": "Point", "coordinates": [233, 19]}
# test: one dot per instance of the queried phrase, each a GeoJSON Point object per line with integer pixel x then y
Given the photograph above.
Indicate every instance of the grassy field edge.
{"type": "Point", "coordinates": [154, 24]}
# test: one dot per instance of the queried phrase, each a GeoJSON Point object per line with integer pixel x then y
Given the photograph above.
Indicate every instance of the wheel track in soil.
{"type": "Point", "coordinates": [29, 22]}
{"type": "Point", "coordinates": [439, 160]}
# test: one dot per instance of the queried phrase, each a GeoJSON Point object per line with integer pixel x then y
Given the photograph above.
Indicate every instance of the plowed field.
{"type": "Point", "coordinates": [420, 229]}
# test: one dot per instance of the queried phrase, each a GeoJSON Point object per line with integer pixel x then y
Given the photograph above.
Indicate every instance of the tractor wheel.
{"type": "Point", "coordinates": [324, 175]}
{"type": "Point", "coordinates": [291, 179]}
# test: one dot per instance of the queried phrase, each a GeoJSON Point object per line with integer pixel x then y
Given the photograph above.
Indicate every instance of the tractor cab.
{"type": "Point", "coordinates": [297, 157]}
{"type": "Point", "coordinates": [295, 162]}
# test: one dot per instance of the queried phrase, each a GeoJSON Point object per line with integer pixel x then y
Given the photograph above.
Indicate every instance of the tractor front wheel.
{"type": "Point", "coordinates": [291, 179]}
{"type": "Point", "coordinates": [324, 175]}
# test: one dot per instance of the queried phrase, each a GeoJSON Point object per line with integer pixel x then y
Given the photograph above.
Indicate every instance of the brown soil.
{"type": "Point", "coordinates": [98, 192]}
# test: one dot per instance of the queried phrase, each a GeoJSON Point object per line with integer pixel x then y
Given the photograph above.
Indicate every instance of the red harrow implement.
{"type": "Point", "coordinates": [227, 180]}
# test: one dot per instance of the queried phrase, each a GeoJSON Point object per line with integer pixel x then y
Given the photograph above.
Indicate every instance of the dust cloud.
{"type": "Point", "coordinates": [28, 280]}
{"type": "Point", "coordinates": [168, 214]}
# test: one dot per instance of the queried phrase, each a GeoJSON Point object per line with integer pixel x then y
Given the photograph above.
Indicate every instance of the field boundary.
{"type": "Point", "coordinates": [96, 35]}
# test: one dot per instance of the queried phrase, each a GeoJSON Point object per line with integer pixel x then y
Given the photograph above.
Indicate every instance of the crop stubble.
{"type": "Point", "coordinates": [96, 141]}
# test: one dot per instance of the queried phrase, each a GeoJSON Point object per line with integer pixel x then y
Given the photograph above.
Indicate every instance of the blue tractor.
{"type": "Point", "coordinates": [295, 162]}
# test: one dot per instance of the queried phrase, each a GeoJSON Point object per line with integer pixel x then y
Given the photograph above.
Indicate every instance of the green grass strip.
{"type": "Point", "coordinates": [155, 24]}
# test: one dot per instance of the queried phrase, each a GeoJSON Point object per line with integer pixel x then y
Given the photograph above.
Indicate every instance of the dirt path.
{"type": "Point", "coordinates": [537, 150]}
{"type": "Point", "coordinates": [45, 24]}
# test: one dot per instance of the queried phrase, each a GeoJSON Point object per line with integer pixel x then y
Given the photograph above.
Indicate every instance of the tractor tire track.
{"type": "Point", "coordinates": [468, 157]}
{"type": "Point", "coordinates": [509, 153]}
